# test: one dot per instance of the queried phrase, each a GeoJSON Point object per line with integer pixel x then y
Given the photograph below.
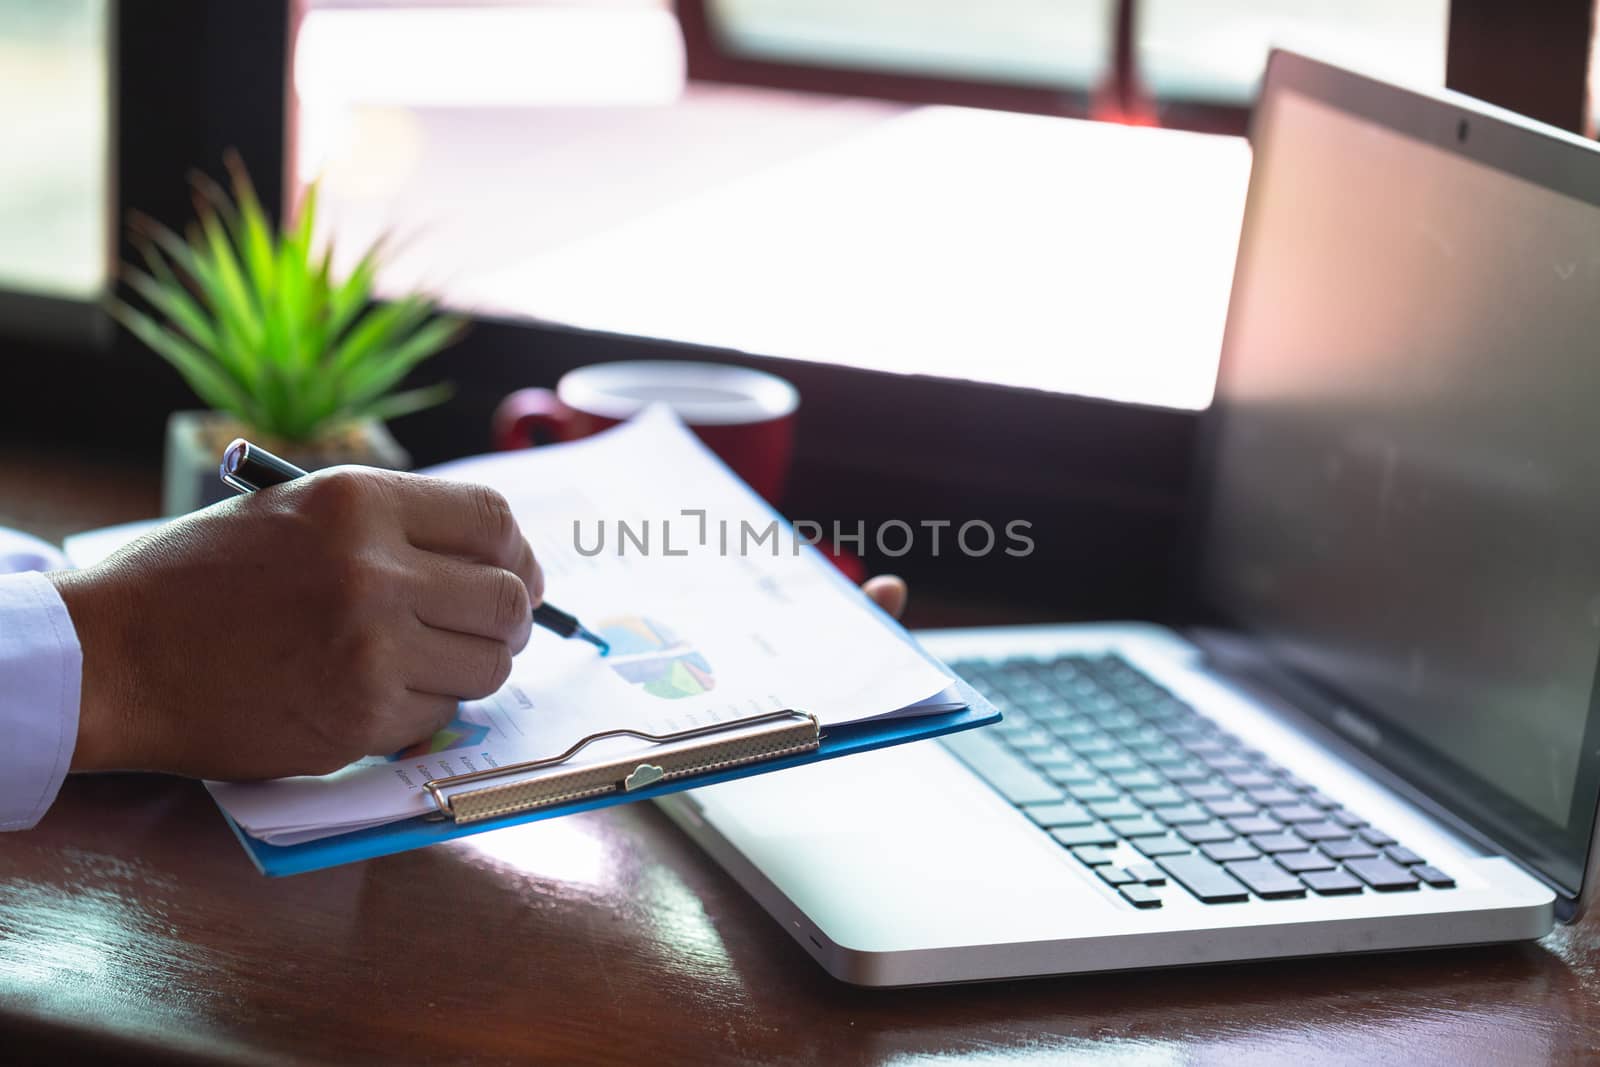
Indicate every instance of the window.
{"type": "Point", "coordinates": [552, 162]}
{"type": "Point", "coordinates": [1147, 60]}
{"type": "Point", "coordinates": [55, 170]}
{"type": "Point", "coordinates": [1215, 51]}
{"type": "Point", "coordinates": [1063, 44]}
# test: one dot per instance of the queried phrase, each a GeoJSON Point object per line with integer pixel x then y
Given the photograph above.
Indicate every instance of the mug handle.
{"type": "Point", "coordinates": [531, 417]}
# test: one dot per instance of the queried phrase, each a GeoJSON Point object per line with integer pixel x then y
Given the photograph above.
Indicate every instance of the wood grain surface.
{"type": "Point", "coordinates": [132, 926]}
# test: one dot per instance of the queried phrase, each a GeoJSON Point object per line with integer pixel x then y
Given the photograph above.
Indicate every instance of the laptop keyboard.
{"type": "Point", "coordinates": [1152, 795]}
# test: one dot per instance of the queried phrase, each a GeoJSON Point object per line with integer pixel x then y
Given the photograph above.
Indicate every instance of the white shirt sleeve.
{"type": "Point", "coordinates": [41, 670]}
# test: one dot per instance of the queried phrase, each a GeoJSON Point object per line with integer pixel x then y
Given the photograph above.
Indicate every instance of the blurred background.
{"type": "Point", "coordinates": [992, 244]}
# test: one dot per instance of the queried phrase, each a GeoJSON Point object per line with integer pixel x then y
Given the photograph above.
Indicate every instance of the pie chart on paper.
{"type": "Point", "coordinates": [647, 654]}
{"type": "Point", "coordinates": [459, 734]}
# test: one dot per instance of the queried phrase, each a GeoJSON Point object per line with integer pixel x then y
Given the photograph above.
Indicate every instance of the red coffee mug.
{"type": "Point", "coordinates": [745, 416]}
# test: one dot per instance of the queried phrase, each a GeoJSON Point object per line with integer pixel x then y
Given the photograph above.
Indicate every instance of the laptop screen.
{"type": "Point", "coordinates": [1405, 482]}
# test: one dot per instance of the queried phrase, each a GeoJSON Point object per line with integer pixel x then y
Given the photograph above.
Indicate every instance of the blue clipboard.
{"type": "Point", "coordinates": [834, 741]}
{"type": "Point", "coordinates": [420, 832]}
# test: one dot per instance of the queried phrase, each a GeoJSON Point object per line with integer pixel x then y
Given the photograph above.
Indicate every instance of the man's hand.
{"type": "Point", "coordinates": [296, 629]}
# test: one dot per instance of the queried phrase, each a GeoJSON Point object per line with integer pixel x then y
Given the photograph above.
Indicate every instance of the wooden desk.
{"type": "Point", "coordinates": [131, 923]}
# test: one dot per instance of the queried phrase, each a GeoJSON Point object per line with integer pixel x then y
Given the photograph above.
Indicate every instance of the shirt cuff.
{"type": "Point", "coordinates": [41, 671]}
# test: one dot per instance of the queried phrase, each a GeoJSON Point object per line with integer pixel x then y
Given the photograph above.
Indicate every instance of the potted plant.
{"type": "Point", "coordinates": [281, 351]}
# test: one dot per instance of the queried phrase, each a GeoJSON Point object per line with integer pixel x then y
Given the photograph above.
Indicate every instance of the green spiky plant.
{"type": "Point", "coordinates": [259, 328]}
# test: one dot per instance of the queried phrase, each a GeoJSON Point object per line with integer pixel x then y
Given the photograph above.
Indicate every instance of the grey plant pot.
{"type": "Point", "coordinates": [189, 476]}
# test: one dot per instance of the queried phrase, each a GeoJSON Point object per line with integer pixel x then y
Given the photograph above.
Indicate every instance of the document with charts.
{"type": "Point", "coordinates": [712, 610]}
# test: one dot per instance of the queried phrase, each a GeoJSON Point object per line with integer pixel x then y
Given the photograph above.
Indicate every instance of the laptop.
{"type": "Point", "coordinates": [1379, 727]}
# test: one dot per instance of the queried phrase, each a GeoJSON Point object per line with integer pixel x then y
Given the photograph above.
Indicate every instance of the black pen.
{"type": "Point", "coordinates": [247, 467]}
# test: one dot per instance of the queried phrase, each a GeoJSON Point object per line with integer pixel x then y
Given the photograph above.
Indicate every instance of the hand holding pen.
{"type": "Point", "coordinates": [247, 467]}
{"type": "Point", "coordinates": [293, 631]}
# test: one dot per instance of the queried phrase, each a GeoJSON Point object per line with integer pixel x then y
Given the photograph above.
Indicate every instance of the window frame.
{"type": "Point", "coordinates": [189, 80]}
{"type": "Point", "coordinates": [709, 60]}
{"type": "Point", "coordinates": [1532, 62]}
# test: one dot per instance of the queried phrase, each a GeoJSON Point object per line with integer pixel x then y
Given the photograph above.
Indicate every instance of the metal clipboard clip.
{"type": "Point", "coordinates": [759, 737]}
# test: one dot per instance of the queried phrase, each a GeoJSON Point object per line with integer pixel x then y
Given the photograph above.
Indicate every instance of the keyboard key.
{"type": "Point", "coordinates": [1144, 778]}
{"type": "Point", "coordinates": [1203, 832]}
{"type": "Point", "coordinates": [1226, 851]}
{"type": "Point", "coordinates": [1185, 773]}
{"type": "Point", "coordinates": [1208, 791]}
{"type": "Point", "coordinates": [1283, 841]}
{"type": "Point", "coordinates": [1297, 813]}
{"type": "Point", "coordinates": [1065, 813]}
{"type": "Point", "coordinates": [1114, 719]}
{"type": "Point", "coordinates": [1227, 761]}
{"type": "Point", "coordinates": [1035, 743]}
{"type": "Point", "coordinates": [1382, 874]}
{"type": "Point", "coordinates": [1348, 849]}
{"type": "Point", "coordinates": [1092, 745]}
{"type": "Point", "coordinates": [1186, 815]}
{"type": "Point", "coordinates": [1161, 846]}
{"type": "Point", "coordinates": [1148, 873]}
{"type": "Point", "coordinates": [1321, 800]}
{"type": "Point", "coordinates": [1140, 896]}
{"type": "Point", "coordinates": [1320, 831]}
{"type": "Point", "coordinates": [1205, 745]}
{"type": "Point", "coordinates": [1298, 862]}
{"type": "Point", "coordinates": [1266, 879]}
{"type": "Point", "coordinates": [1254, 824]}
{"type": "Point", "coordinates": [1433, 876]}
{"type": "Point", "coordinates": [1070, 726]}
{"type": "Point", "coordinates": [1402, 855]}
{"type": "Point", "coordinates": [1272, 794]}
{"type": "Point", "coordinates": [1093, 834]}
{"type": "Point", "coordinates": [1247, 779]}
{"type": "Point", "coordinates": [1347, 818]}
{"type": "Point", "coordinates": [1230, 808]}
{"type": "Point", "coordinates": [1070, 774]}
{"type": "Point", "coordinates": [1299, 785]}
{"type": "Point", "coordinates": [1106, 762]}
{"type": "Point", "coordinates": [1115, 875]}
{"type": "Point", "coordinates": [1163, 714]}
{"type": "Point", "coordinates": [1089, 791]}
{"type": "Point", "coordinates": [1374, 836]}
{"type": "Point", "coordinates": [1094, 855]}
{"type": "Point", "coordinates": [1204, 879]}
{"type": "Point", "coordinates": [1156, 749]}
{"type": "Point", "coordinates": [1005, 772]}
{"type": "Point", "coordinates": [1050, 715]}
{"type": "Point", "coordinates": [1115, 809]}
{"type": "Point", "coordinates": [1162, 797]}
{"type": "Point", "coordinates": [1189, 728]}
{"type": "Point", "coordinates": [1331, 883]}
{"type": "Point", "coordinates": [1136, 733]}
{"type": "Point", "coordinates": [1143, 826]}
{"type": "Point", "coordinates": [1016, 728]}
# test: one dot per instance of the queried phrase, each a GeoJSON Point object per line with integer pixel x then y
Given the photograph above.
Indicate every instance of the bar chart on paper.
{"type": "Point", "coordinates": [647, 654]}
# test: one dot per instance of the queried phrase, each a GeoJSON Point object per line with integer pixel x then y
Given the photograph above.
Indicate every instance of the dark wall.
{"type": "Point", "coordinates": [1101, 483]}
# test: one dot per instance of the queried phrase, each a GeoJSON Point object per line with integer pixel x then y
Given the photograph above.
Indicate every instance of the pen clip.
{"type": "Point", "coordinates": [234, 483]}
